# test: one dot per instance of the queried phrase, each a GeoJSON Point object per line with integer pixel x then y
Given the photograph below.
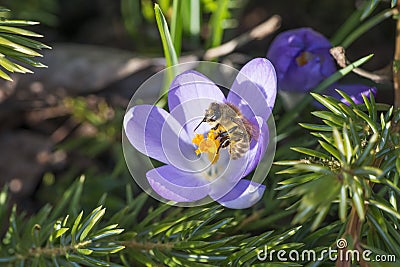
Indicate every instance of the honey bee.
{"type": "Point", "coordinates": [233, 129]}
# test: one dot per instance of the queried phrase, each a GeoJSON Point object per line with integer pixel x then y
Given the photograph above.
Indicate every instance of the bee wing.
{"type": "Point", "coordinates": [251, 129]}
{"type": "Point", "coordinates": [238, 121]}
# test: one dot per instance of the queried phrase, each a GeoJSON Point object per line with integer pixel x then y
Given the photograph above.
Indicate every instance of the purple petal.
{"type": "Point", "coordinates": [254, 89]}
{"type": "Point", "coordinates": [283, 50]}
{"type": "Point", "coordinates": [229, 173]}
{"type": "Point", "coordinates": [258, 147]}
{"type": "Point", "coordinates": [304, 78]}
{"type": "Point", "coordinates": [288, 46]}
{"type": "Point", "coordinates": [155, 133]}
{"type": "Point", "coordinates": [313, 39]}
{"type": "Point", "coordinates": [355, 91]}
{"type": "Point", "coordinates": [173, 184]}
{"type": "Point", "coordinates": [244, 195]}
{"type": "Point", "coordinates": [190, 94]}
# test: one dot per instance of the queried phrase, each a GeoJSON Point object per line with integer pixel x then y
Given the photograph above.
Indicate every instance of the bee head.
{"type": "Point", "coordinates": [212, 115]}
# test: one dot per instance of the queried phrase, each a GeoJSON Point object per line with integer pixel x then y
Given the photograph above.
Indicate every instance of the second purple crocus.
{"type": "Point", "coordinates": [302, 60]}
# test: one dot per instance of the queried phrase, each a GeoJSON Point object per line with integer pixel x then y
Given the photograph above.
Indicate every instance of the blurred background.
{"type": "Point", "coordinates": [66, 120]}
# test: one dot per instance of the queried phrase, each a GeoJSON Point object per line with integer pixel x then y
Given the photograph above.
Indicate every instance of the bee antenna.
{"type": "Point", "coordinates": [204, 120]}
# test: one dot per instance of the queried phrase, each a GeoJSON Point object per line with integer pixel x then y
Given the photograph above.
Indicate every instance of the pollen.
{"type": "Point", "coordinates": [197, 139]}
{"type": "Point", "coordinates": [304, 58]}
{"type": "Point", "coordinates": [207, 145]}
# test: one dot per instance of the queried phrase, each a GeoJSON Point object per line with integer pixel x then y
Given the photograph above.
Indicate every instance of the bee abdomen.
{"type": "Point", "coordinates": [238, 149]}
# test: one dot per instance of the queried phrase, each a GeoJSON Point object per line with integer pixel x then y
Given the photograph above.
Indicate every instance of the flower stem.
{"type": "Point", "coordinates": [396, 64]}
{"type": "Point", "coordinates": [353, 229]}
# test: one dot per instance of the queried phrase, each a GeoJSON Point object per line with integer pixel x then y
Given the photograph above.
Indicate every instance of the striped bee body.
{"type": "Point", "coordinates": [235, 132]}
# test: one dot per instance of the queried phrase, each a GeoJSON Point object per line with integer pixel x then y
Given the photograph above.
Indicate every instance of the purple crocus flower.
{"type": "Point", "coordinates": [302, 60]}
{"type": "Point", "coordinates": [169, 137]}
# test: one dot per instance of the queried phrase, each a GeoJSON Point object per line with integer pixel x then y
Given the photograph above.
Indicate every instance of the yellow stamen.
{"type": "Point", "coordinates": [197, 139]}
{"type": "Point", "coordinates": [209, 145]}
{"type": "Point", "coordinates": [303, 58]}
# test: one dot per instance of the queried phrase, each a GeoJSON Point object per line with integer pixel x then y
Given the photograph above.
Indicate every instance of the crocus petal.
{"type": "Point", "coordinates": [301, 58]}
{"type": "Point", "coordinates": [355, 91]}
{"type": "Point", "coordinates": [146, 127]}
{"type": "Point", "coordinates": [304, 78]}
{"type": "Point", "coordinates": [230, 172]}
{"type": "Point", "coordinates": [254, 89]}
{"type": "Point", "coordinates": [289, 44]}
{"type": "Point", "coordinates": [285, 47]}
{"type": "Point", "coordinates": [173, 184]}
{"type": "Point", "coordinates": [190, 94]}
{"type": "Point", "coordinates": [258, 147]}
{"type": "Point", "coordinates": [244, 195]}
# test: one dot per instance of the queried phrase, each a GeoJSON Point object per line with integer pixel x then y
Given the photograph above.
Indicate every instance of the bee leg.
{"type": "Point", "coordinates": [223, 135]}
{"type": "Point", "coordinates": [216, 127]}
{"type": "Point", "coordinates": [225, 141]}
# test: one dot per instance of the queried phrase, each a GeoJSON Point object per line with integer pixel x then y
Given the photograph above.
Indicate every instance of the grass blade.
{"type": "Point", "coordinates": [169, 50]}
{"type": "Point", "coordinates": [176, 25]}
